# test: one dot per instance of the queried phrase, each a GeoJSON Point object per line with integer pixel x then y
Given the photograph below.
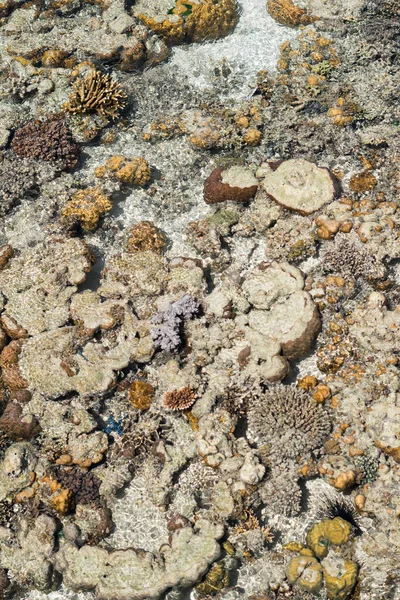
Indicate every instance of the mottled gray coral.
{"type": "Point", "coordinates": [349, 258]}
{"type": "Point", "coordinates": [288, 421]}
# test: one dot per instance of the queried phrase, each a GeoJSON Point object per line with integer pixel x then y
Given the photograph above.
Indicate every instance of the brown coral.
{"type": "Point", "coordinates": [179, 399]}
{"type": "Point", "coordinates": [362, 182]}
{"type": "Point", "coordinates": [287, 13]}
{"type": "Point", "coordinates": [6, 253]}
{"type": "Point", "coordinates": [96, 93]}
{"type": "Point", "coordinates": [87, 206]}
{"type": "Point", "coordinates": [146, 236]}
{"type": "Point", "coordinates": [12, 423]}
{"type": "Point", "coordinates": [141, 395]}
{"type": "Point", "coordinates": [217, 190]}
{"type": "Point", "coordinates": [50, 140]}
{"type": "Point", "coordinates": [11, 374]}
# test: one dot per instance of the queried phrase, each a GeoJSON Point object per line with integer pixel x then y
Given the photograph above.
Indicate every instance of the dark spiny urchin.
{"type": "Point", "coordinates": [288, 421]}
{"type": "Point", "coordinates": [49, 140]}
{"type": "Point", "coordinates": [85, 486]}
{"type": "Point", "coordinates": [348, 257]}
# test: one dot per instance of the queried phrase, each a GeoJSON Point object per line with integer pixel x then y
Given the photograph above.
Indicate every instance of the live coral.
{"type": "Point", "coordinates": [49, 140]}
{"type": "Point", "coordinates": [179, 399]}
{"type": "Point", "coordinates": [96, 93]}
{"type": "Point", "coordinates": [287, 13]}
{"type": "Point", "coordinates": [87, 206]}
{"type": "Point", "coordinates": [146, 236]}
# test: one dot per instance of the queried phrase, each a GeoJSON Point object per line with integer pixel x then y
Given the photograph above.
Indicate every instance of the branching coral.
{"type": "Point", "coordinates": [96, 93]}
{"type": "Point", "coordinates": [288, 421]}
{"type": "Point", "coordinates": [48, 140]}
{"type": "Point", "coordinates": [179, 399]}
{"type": "Point", "coordinates": [167, 334]}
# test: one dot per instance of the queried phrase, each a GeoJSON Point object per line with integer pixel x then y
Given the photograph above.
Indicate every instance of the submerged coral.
{"type": "Point", "coordinates": [289, 421]}
{"type": "Point", "coordinates": [49, 140]}
{"type": "Point", "coordinates": [167, 335]}
{"type": "Point", "coordinates": [96, 93]}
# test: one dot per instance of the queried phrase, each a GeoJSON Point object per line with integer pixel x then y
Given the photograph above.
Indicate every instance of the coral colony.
{"type": "Point", "coordinates": [199, 300]}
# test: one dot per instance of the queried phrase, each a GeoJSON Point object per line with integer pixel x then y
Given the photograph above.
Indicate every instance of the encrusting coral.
{"type": "Point", "coordinates": [146, 236]}
{"type": "Point", "coordinates": [194, 21]}
{"type": "Point", "coordinates": [287, 13]}
{"type": "Point", "coordinates": [135, 171]}
{"type": "Point", "coordinates": [96, 93]}
{"type": "Point", "coordinates": [87, 207]}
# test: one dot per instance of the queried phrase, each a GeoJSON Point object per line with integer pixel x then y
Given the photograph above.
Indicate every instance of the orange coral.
{"type": "Point", "coordinates": [87, 206]}
{"type": "Point", "coordinates": [141, 395]}
{"type": "Point", "coordinates": [287, 13]}
{"type": "Point", "coordinates": [146, 236]}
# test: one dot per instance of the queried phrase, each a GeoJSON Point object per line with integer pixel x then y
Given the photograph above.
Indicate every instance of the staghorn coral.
{"type": "Point", "coordinates": [281, 493]}
{"type": "Point", "coordinates": [96, 93]}
{"type": "Point", "coordinates": [146, 236]}
{"type": "Point", "coordinates": [49, 141]}
{"type": "Point", "coordinates": [179, 399]}
{"type": "Point", "coordinates": [87, 207]}
{"type": "Point", "coordinates": [288, 421]}
{"type": "Point", "coordinates": [167, 335]}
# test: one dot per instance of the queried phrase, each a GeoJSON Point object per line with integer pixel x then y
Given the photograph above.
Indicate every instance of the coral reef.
{"type": "Point", "coordinates": [199, 300]}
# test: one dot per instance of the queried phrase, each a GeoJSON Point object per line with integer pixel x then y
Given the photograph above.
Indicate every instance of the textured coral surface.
{"type": "Point", "coordinates": [199, 300]}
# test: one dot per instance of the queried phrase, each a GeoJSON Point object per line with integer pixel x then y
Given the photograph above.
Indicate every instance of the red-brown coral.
{"type": "Point", "coordinates": [12, 424]}
{"type": "Point", "coordinates": [49, 140]}
{"type": "Point", "coordinates": [179, 399]}
{"type": "Point", "coordinates": [215, 190]}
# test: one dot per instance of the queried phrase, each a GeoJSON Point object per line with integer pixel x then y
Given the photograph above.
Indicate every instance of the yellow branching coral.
{"type": "Point", "coordinates": [87, 206]}
{"type": "Point", "coordinates": [96, 93]}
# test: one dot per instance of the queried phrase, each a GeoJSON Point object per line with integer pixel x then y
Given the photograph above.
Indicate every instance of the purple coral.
{"type": "Point", "coordinates": [169, 331]}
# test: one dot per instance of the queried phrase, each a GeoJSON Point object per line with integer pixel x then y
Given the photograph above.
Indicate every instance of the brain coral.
{"type": "Point", "coordinates": [287, 420]}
